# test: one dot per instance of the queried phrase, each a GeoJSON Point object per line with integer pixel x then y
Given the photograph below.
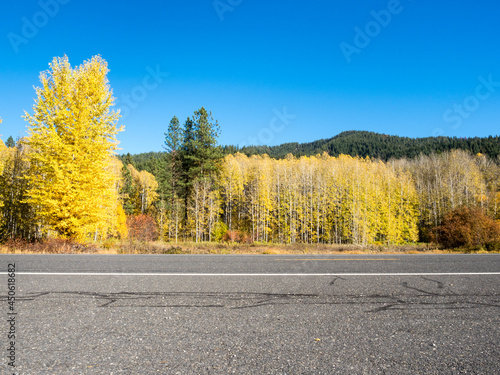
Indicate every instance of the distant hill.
{"type": "Point", "coordinates": [364, 143]}
{"type": "Point", "coordinates": [357, 143]}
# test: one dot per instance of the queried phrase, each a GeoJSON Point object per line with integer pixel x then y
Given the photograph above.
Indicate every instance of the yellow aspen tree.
{"type": "Point", "coordinates": [252, 190]}
{"type": "Point", "coordinates": [231, 182]}
{"type": "Point", "coordinates": [174, 221]}
{"type": "Point", "coordinates": [266, 197]}
{"type": "Point", "coordinates": [489, 195]}
{"type": "Point", "coordinates": [115, 167]}
{"type": "Point", "coordinates": [303, 199]}
{"type": "Point", "coordinates": [367, 202]}
{"type": "Point", "coordinates": [259, 196]}
{"type": "Point", "coordinates": [408, 209]}
{"type": "Point", "coordinates": [121, 222]}
{"type": "Point", "coordinates": [115, 225]}
{"type": "Point", "coordinates": [5, 153]}
{"type": "Point", "coordinates": [72, 136]}
{"type": "Point", "coordinates": [331, 199]}
{"type": "Point", "coordinates": [4, 156]}
{"type": "Point", "coordinates": [279, 211]}
{"type": "Point", "coordinates": [196, 209]}
{"type": "Point", "coordinates": [146, 188]}
{"type": "Point", "coordinates": [322, 202]}
{"type": "Point", "coordinates": [290, 199]}
{"type": "Point", "coordinates": [345, 213]}
{"type": "Point", "coordinates": [239, 216]}
{"type": "Point", "coordinates": [388, 206]}
{"type": "Point", "coordinates": [212, 207]}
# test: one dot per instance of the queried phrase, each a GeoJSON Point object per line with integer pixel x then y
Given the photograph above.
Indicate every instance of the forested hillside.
{"type": "Point", "coordinates": [380, 146]}
{"type": "Point", "coordinates": [360, 143]}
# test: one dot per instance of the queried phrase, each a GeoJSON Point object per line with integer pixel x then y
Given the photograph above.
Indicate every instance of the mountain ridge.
{"type": "Point", "coordinates": [362, 144]}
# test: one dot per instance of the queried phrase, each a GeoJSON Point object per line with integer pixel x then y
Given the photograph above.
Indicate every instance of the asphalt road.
{"type": "Point", "coordinates": [181, 314]}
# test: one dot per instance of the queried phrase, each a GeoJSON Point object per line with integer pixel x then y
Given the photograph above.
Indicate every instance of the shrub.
{"type": "Point", "coordinates": [463, 227]}
{"type": "Point", "coordinates": [142, 228]}
{"type": "Point", "coordinates": [231, 236]}
{"type": "Point", "coordinates": [237, 236]}
{"type": "Point", "coordinates": [50, 246]}
{"type": "Point", "coordinates": [109, 243]}
{"type": "Point", "coordinates": [246, 238]}
{"type": "Point", "coordinates": [219, 231]}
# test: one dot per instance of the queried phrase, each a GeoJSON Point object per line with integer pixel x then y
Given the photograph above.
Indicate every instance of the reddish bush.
{"type": "Point", "coordinates": [142, 228]}
{"type": "Point", "coordinates": [231, 236]}
{"type": "Point", "coordinates": [246, 238]}
{"type": "Point", "coordinates": [237, 236]}
{"type": "Point", "coordinates": [463, 227]}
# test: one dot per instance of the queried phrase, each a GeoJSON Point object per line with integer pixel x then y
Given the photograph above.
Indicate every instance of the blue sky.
{"type": "Point", "coordinates": [271, 72]}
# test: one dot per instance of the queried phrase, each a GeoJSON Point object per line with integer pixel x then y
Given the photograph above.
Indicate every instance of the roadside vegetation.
{"type": "Point", "coordinates": [64, 189]}
{"type": "Point", "coordinates": [111, 247]}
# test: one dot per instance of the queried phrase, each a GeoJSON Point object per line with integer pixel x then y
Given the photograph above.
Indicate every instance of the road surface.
{"type": "Point", "coordinates": [265, 314]}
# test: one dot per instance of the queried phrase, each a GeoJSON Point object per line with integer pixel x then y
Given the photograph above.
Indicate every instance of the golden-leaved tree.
{"type": "Point", "coordinates": [72, 138]}
{"type": "Point", "coordinates": [318, 199]}
{"type": "Point", "coordinates": [2, 161]}
{"type": "Point", "coordinates": [146, 188]}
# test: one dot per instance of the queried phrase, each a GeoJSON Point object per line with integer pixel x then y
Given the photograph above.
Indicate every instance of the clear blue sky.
{"type": "Point", "coordinates": [417, 73]}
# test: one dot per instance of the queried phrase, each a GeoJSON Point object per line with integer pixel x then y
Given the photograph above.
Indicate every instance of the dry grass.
{"type": "Point", "coordinates": [266, 249]}
{"type": "Point", "coordinates": [48, 246]}
{"type": "Point", "coordinates": [60, 246]}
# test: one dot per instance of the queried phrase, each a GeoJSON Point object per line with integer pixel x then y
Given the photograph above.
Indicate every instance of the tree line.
{"type": "Point", "coordinates": [359, 143]}
{"type": "Point", "coordinates": [325, 199]}
{"type": "Point", "coordinates": [65, 180]}
{"type": "Point", "coordinates": [380, 146]}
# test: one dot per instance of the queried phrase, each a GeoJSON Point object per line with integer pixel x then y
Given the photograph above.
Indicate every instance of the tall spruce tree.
{"type": "Point", "coordinates": [200, 154]}
{"type": "Point", "coordinates": [188, 159]}
{"type": "Point", "coordinates": [207, 153]}
{"type": "Point", "coordinates": [174, 138]}
{"type": "Point", "coordinates": [127, 191]}
{"type": "Point", "coordinates": [10, 142]}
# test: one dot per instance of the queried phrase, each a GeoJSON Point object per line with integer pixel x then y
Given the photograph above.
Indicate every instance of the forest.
{"type": "Point", "coordinates": [66, 180]}
{"type": "Point", "coordinates": [360, 143]}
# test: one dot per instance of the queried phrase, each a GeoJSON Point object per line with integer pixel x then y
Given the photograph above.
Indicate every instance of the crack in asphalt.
{"type": "Point", "coordinates": [239, 300]}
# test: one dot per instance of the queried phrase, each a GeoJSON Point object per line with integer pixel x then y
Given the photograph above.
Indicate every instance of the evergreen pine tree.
{"type": "Point", "coordinates": [173, 143]}
{"type": "Point", "coordinates": [208, 153]}
{"type": "Point", "coordinates": [10, 142]}
{"type": "Point", "coordinates": [127, 190]}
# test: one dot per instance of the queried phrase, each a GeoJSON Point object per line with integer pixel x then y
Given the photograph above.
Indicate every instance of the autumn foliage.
{"type": "Point", "coordinates": [64, 181]}
{"type": "Point", "coordinates": [142, 228]}
{"type": "Point", "coordinates": [237, 236]}
{"type": "Point", "coordinates": [464, 227]}
{"type": "Point", "coordinates": [72, 141]}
